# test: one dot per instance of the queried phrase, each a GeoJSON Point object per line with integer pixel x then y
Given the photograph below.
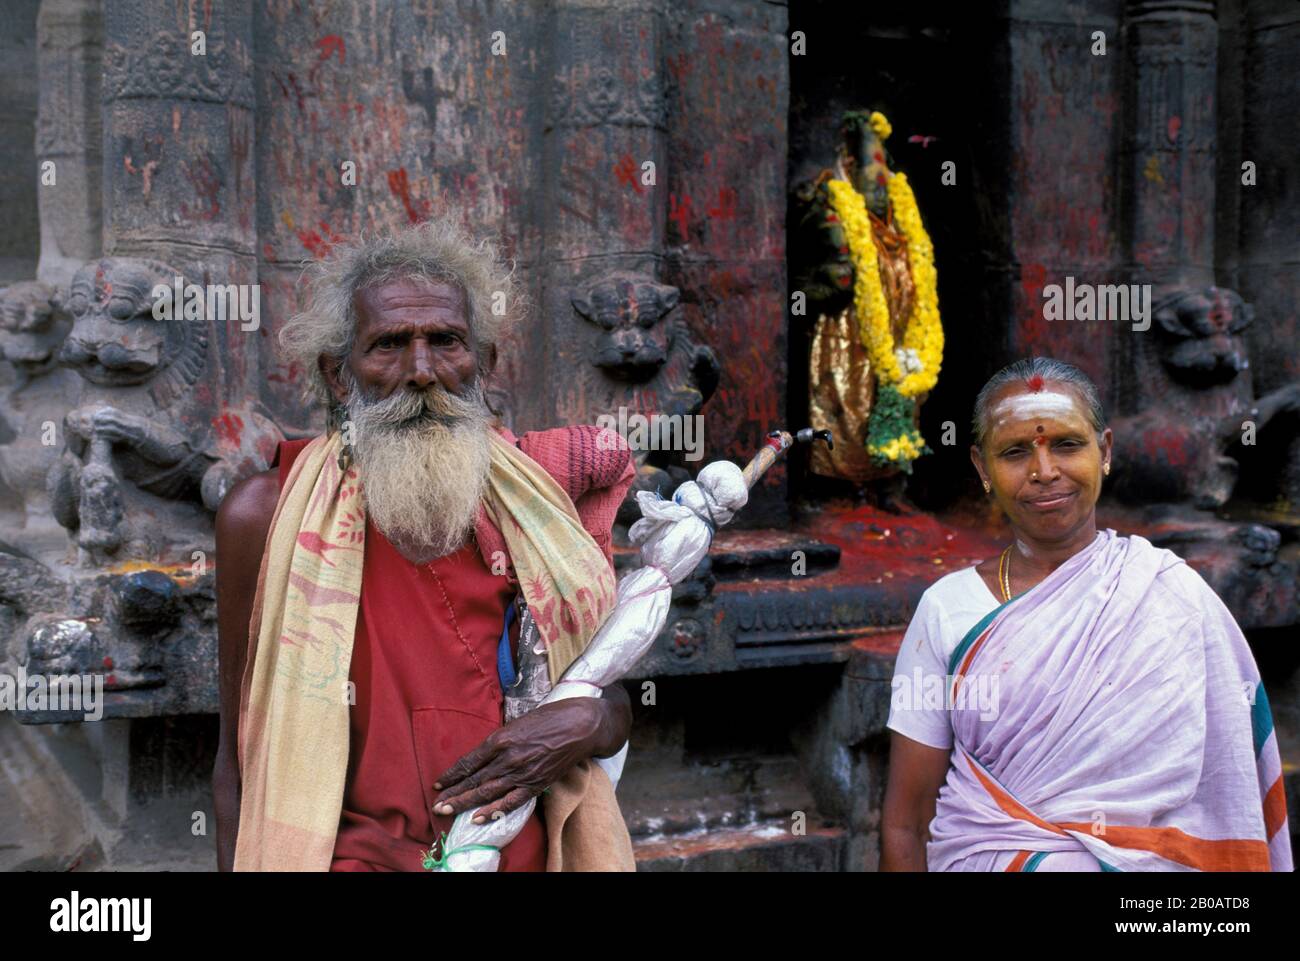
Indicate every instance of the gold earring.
{"type": "Point", "coordinates": [987, 488]}
{"type": "Point", "coordinates": [1034, 475]}
{"type": "Point", "coordinates": [1105, 468]}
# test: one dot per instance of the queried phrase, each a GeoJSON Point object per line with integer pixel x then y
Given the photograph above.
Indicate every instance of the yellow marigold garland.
{"type": "Point", "coordinates": [922, 349]}
{"type": "Point", "coordinates": [868, 293]}
{"type": "Point", "coordinates": [880, 125]}
{"type": "Point", "coordinates": [924, 332]}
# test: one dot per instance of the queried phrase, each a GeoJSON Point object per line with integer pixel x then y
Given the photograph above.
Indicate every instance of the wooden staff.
{"type": "Point", "coordinates": [778, 442]}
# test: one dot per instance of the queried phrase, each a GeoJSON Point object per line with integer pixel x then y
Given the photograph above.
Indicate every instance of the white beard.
{"type": "Point", "coordinates": [423, 459]}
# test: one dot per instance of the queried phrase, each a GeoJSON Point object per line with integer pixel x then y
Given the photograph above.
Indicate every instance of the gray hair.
{"type": "Point", "coordinates": [439, 250]}
{"type": "Point", "coordinates": [1046, 368]}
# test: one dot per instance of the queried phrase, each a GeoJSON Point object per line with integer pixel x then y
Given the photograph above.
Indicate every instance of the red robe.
{"type": "Point", "coordinates": [424, 666]}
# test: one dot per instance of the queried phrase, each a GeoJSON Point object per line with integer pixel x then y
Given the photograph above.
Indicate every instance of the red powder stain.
{"type": "Point", "coordinates": [329, 45]}
{"type": "Point", "coordinates": [313, 242]}
{"type": "Point", "coordinates": [1036, 384]}
{"type": "Point", "coordinates": [1170, 442]}
{"type": "Point", "coordinates": [1040, 441]}
{"type": "Point", "coordinates": [229, 427]}
{"type": "Point", "coordinates": [1175, 124]}
{"type": "Point", "coordinates": [111, 679]}
{"type": "Point", "coordinates": [108, 662]}
{"type": "Point", "coordinates": [206, 182]}
{"type": "Point", "coordinates": [725, 209]}
{"type": "Point", "coordinates": [291, 375]}
{"type": "Point", "coordinates": [625, 172]}
{"type": "Point", "coordinates": [679, 212]}
{"type": "Point", "coordinates": [1035, 330]}
{"type": "Point", "coordinates": [1220, 313]}
{"type": "Point", "coordinates": [400, 185]}
{"type": "Point", "coordinates": [328, 232]}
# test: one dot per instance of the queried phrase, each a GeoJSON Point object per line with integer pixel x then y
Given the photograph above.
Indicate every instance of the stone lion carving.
{"type": "Point", "coordinates": [148, 426]}
{"type": "Point", "coordinates": [650, 365]}
{"type": "Point", "coordinates": [1197, 365]}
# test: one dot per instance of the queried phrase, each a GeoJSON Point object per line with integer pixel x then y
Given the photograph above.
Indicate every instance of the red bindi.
{"type": "Point", "coordinates": [1036, 383]}
{"type": "Point", "coordinates": [1040, 441]}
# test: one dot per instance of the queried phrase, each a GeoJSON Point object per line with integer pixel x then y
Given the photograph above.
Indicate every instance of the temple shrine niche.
{"type": "Point", "coordinates": [1029, 162]}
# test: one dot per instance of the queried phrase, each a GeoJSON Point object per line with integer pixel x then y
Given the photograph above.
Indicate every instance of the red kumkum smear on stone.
{"type": "Point", "coordinates": [1036, 383]}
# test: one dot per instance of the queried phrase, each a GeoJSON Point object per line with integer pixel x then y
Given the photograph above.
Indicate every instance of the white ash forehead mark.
{"type": "Point", "coordinates": [1043, 403]}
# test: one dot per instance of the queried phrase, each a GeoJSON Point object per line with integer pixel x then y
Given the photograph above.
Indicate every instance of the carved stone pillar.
{"type": "Point", "coordinates": [606, 120]}
{"type": "Point", "coordinates": [179, 175]}
{"type": "Point", "coordinates": [166, 419]}
{"type": "Point", "coordinates": [1188, 375]}
{"type": "Point", "coordinates": [69, 35]}
{"type": "Point", "coordinates": [1168, 149]}
{"type": "Point", "coordinates": [1269, 246]}
{"type": "Point", "coordinates": [616, 341]}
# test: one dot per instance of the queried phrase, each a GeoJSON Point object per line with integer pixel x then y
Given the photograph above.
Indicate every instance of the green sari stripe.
{"type": "Point", "coordinates": [1261, 718]}
{"type": "Point", "coordinates": [972, 635]}
{"type": "Point", "coordinates": [1033, 862]}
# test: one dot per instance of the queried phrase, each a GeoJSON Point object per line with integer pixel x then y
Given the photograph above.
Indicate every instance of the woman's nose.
{"type": "Point", "coordinates": [1044, 463]}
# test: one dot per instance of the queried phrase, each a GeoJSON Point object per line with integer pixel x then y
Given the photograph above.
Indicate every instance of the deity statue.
{"type": "Point", "coordinates": [866, 266]}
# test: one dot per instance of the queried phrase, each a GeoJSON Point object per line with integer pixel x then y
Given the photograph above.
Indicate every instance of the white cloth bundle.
{"type": "Point", "coordinates": [674, 536]}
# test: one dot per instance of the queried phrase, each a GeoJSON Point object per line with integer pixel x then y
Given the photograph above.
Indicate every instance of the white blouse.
{"type": "Point", "coordinates": [948, 609]}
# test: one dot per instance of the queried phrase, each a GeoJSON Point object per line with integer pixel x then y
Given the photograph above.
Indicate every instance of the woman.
{"type": "Point", "coordinates": [1102, 710]}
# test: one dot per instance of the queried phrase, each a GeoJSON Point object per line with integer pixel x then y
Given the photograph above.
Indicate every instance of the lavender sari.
{"type": "Point", "coordinates": [1132, 731]}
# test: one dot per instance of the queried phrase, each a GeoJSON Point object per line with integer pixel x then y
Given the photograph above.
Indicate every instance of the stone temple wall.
{"type": "Point", "coordinates": [638, 159]}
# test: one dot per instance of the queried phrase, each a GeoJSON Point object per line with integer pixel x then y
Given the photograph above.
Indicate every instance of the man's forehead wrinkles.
{"type": "Point", "coordinates": [389, 324]}
{"type": "Point", "coordinates": [413, 299]}
{"type": "Point", "coordinates": [418, 292]}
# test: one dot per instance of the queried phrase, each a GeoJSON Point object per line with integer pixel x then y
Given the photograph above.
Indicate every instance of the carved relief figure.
{"type": "Point", "coordinates": [650, 362]}
{"type": "Point", "coordinates": [143, 440]}
{"type": "Point", "coordinates": [1179, 449]}
{"type": "Point", "coordinates": [35, 398]}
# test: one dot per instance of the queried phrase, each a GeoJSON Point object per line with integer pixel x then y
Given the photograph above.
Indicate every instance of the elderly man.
{"type": "Point", "coordinates": [366, 586]}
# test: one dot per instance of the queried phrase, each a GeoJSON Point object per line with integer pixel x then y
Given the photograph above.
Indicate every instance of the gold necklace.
{"type": "Point", "coordinates": [1004, 573]}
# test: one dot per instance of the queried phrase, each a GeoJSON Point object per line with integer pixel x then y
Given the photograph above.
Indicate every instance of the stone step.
{"type": "Point", "coordinates": [768, 846]}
